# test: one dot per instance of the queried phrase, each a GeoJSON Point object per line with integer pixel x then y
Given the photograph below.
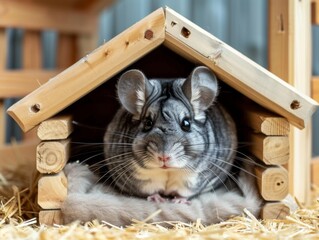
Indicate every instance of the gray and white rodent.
{"type": "Point", "coordinates": [170, 142]}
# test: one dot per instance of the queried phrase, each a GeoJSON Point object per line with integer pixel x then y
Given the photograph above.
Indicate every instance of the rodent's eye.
{"type": "Point", "coordinates": [186, 125]}
{"type": "Point", "coordinates": [148, 124]}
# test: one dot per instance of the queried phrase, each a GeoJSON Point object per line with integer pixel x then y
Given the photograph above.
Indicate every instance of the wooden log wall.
{"type": "Point", "coordinates": [267, 137]}
{"type": "Point", "coordinates": [268, 145]}
{"type": "Point", "coordinates": [51, 157]}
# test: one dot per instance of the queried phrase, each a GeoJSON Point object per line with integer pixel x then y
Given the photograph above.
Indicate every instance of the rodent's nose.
{"type": "Point", "coordinates": [164, 158]}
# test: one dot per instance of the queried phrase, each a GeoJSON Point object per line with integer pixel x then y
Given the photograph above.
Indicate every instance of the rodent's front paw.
{"type": "Point", "coordinates": [78, 170]}
{"type": "Point", "coordinates": [156, 198]}
{"type": "Point", "coordinates": [80, 177]}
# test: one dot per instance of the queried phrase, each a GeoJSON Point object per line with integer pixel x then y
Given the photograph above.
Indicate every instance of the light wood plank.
{"type": "Point", "coordinates": [40, 16]}
{"type": "Point", "coordinates": [66, 53]}
{"type": "Point", "coordinates": [315, 171]}
{"type": "Point", "coordinates": [32, 50]}
{"type": "Point", "coordinates": [52, 156]}
{"type": "Point", "coordinates": [59, 127]}
{"type": "Point", "coordinates": [272, 150]}
{"type": "Point", "coordinates": [315, 11]}
{"type": "Point", "coordinates": [315, 88]}
{"type": "Point", "coordinates": [52, 191]}
{"type": "Point", "coordinates": [89, 72]}
{"type": "Point", "coordinates": [260, 120]}
{"type": "Point", "coordinates": [272, 182]}
{"type": "Point", "coordinates": [292, 48]}
{"type": "Point", "coordinates": [3, 48]}
{"type": "Point", "coordinates": [31, 59]}
{"type": "Point", "coordinates": [19, 83]}
{"type": "Point", "coordinates": [275, 210]}
{"type": "Point", "coordinates": [300, 77]}
{"type": "Point", "coordinates": [50, 217]}
{"type": "Point", "coordinates": [278, 35]}
{"type": "Point", "coordinates": [237, 70]}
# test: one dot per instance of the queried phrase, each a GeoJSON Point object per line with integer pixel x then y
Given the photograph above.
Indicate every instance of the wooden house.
{"type": "Point", "coordinates": [77, 104]}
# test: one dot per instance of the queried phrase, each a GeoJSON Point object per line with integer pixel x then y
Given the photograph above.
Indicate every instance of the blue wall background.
{"type": "Point", "coordinates": [242, 24]}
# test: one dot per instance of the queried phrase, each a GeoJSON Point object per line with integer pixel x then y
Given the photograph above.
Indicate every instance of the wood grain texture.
{"type": "Point", "coordinates": [315, 88]}
{"type": "Point", "coordinates": [40, 16]}
{"type": "Point", "coordinates": [275, 210]}
{"type": "Point", "coordinates": [315, 12]}
{"type": "Point", "coordinates": [52, 156]}
{"type": "Point", "coordinates": [272, 182]}
{"type": "Point", "coordinates": [52, 191]}
{"type": "Point", "coordinates": [300, 77]}
{"type": "Point", "coordinates": [59, 127]}
{"type": "Point", "coordinates": [32, 50]}
{"type": "Point", "coordinates": [261, 120]}
{"type": "Point", "coordinates": [19, 83]}
{"type": "Point", "coordinates": [278, 37]}
{"type": "Point", "coordinates": [272, 150]}
{"type": "Point", "coordinates": [315, 171]}
{"type": "Point", "coordinates": [50, 217]}
{"type": "Point", "coordinates": [66, 52]}
{"type": "Point", "coordinates": [237, 70]}
{"type": "Point", "coordinates": [89, 72]}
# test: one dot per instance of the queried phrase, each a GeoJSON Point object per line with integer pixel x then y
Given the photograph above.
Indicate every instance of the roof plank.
{"type": "Point", "coordinates": [90, 72]}
{"type": "Point", "coordinates": [237, 70]}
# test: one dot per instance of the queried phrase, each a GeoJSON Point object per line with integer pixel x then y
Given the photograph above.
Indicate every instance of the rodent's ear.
{"type": "Point", "coordinates": [201, 89]}
{"type": "Point", "coordinates": [133, 88]}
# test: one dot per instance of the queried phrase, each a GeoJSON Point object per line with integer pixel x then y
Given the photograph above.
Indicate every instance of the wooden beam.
{"type": "Point", "coordinates": [50, 217]}
{"type": "Point", "coordinates": [275, 210]}
{"type": "Point", "coordinates": [66, 52]}
{"type": "Point", "coordinates": [261, 120]}
{"type": "Point", "coordinates": [315, 171]}
{"type": "Point", "coordinates": [290, 59]}
{"type": "Point", "coordinates": [32, 50]}
{"type": "Point", "coordinates": [56, 128]}
{"type": "Point", "coordinates": [272, 182]}
{"type": "Point", "coordinates": [315, 12]}
{"type": "Point", "coordinates": [278, 38]}
{"type": "Point", "coordinates": [90, 72]}
{"type": "Point", "coordinates": [39, 16]}
{"type": "Point", "coordinates": [52, 191]}
{"type": "Point", "coordinates": [272, 150]}
{"type": "Point", "coordinates": [235, 69]}
{"type": "Point", "coordinates": [19, 83]}
{"type": "Point", "coordinates": [52, 156]}
{"type": "Point", "coordinates": [315, 88]}
{"type": "Point", "coordinates": [300, 77]}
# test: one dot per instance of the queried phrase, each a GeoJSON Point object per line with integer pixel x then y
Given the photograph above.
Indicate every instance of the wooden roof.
{"type": "Point", "coordinates": [163, 26]}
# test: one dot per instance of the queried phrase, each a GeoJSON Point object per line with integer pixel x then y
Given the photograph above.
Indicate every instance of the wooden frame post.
{"type": "Point", "coordinates": [290, 58]}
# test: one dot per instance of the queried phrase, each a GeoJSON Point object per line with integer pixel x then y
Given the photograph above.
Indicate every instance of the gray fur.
{"type": "Point", "coordinates": [101, 202]}
{"type": "Point", "coordinates": [200, 162]}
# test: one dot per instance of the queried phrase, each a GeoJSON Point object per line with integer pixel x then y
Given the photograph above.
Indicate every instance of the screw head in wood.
{"type": "Point", "coordinates": [148, 34]}
{"type": "Point", "coordinates": [295, 105]}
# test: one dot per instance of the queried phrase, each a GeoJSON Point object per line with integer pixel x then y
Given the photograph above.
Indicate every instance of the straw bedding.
{"type": "Point", "coordinates": [18, 220]}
